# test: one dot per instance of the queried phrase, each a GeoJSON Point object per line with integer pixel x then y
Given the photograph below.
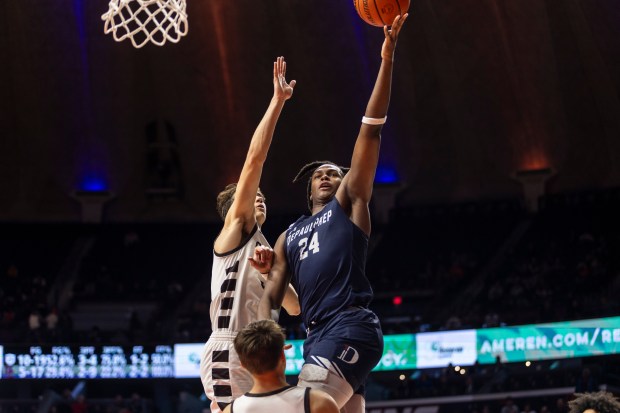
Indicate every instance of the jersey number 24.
{"type": "Point", "coordinates": [313, 246]}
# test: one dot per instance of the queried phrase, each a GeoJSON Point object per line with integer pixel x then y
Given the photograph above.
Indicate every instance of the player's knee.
{"type": "Point", "coordinates": [320, 378]}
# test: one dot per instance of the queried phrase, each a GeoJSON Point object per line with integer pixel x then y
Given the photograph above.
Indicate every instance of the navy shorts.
{"type": "Point", "coordinates": [350, 344]}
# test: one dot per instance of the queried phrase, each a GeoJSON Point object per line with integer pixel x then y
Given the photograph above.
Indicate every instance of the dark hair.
{"type": "Point", "coordinates": [307, 170]}
{"type": "Point", "coordinates": [259, 346]}
{"type": "Point", "coordinates": [226, 198]}
{"type": "Point", "coordinates": [600, 402]}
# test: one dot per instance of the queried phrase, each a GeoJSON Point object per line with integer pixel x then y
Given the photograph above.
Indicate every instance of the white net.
{"type": "Point", "coordinates": [144, 21]}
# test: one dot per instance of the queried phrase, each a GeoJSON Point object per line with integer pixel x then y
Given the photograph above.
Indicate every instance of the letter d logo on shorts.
{"type": "Point", "coordinates": [349, 355]}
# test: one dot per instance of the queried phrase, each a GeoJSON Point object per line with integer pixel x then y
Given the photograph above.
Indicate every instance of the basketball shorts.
{"type": "Point", "coordinates": [349, 345]}
{"type": "Point", "coordinates": [221, 373]}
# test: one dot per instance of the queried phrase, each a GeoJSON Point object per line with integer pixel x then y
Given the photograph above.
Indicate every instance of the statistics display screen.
{"type": "Point", "coordinates": [580, 338]}
{"type": "Point", "coordinates": [87, 362]}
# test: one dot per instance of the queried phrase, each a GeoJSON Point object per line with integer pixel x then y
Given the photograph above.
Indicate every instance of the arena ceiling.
{"type": "Point", "coordinates": [482, 88]}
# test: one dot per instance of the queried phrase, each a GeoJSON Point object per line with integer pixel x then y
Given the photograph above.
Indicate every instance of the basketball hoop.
{"type": "Point", "coordinates": [142, 21]}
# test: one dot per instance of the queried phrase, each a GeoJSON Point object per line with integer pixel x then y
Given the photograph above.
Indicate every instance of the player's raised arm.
{"type": "Point", "coordinates": [241, 215]}
{"type": "Point", "coordinates": [356, 189]}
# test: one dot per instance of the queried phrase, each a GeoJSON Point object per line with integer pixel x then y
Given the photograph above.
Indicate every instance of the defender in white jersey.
{"type": "Point", "coordinates": [236, 286]}
{"type": "Point", "coordinates": [260, 346]}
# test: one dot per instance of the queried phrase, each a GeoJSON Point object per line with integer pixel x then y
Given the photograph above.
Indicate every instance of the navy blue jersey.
{"type": "Point", "coordinates": [326, 254]}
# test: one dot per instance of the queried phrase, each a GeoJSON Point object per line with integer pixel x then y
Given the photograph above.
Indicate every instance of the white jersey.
{"type": "Point", "coordinates": [236, 289]}
{"type": "Point", "coordinates": [290, 399]}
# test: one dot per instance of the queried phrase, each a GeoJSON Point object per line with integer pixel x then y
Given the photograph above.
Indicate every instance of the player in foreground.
{"type": "Point", "coordinates": [260, 346]}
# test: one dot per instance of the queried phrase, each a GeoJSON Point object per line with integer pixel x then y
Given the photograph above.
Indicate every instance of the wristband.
{"type": "Point", "coordinates": [373, 121]}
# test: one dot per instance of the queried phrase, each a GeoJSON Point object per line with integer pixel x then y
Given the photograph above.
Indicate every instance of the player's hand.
{"type": "Point", "coordinates": [391, 36]}
{"type": "Point", "coordinates": [281, 89]}
{"type": "Point", "coordinates": [262, 259]}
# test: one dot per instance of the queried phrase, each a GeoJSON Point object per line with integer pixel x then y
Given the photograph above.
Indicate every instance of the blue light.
{"type": "Point", "coordinates": [386, 175]}
{"type": "Point", "coordinates": [78, 8]}
{"type": "Point", "coordinates": [360, 28]}
{"type": "Point", "coordinates": [93, 184]}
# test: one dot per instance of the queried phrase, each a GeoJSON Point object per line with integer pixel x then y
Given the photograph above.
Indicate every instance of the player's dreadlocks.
{"type": "Point", "coordinates": [600, 402]}
{"type": "Point", "coordinates": [307, 171]}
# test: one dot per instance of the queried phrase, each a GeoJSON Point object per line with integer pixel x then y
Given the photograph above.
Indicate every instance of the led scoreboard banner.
{"type": "Point", "coordinates": [560, 340]}
{"type": "Point", "coordinates": [87, 362]}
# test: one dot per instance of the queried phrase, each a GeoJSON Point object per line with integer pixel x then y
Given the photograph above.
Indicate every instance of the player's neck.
{"type": "Point", "coordinates": [268, 382]}
{"type": "Point", "coordinates": [318, 207]}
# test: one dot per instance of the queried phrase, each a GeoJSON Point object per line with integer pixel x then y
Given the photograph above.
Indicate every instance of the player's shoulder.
{"type": "Point", "coordinates": [321, 402]}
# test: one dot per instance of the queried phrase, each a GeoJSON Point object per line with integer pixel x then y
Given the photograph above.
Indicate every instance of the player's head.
{"type": "Point", "coordinates": [227, 196]}
{"type": "Point", "coordinates": [324, 178]}
{"type": "Point", "coordinates": [260, 346]}
{"type": "Point", "coordinates": [599, 402]}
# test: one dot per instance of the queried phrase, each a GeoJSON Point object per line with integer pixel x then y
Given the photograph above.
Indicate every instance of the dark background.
{"type": "Point", "coordinates": [482, 88]}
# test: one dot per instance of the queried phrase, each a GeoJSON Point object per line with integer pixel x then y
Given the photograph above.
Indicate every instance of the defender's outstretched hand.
{"type": "Point", "coordinates": [391, 36]}
{"type": "Point", "coordinates": [281, 89]}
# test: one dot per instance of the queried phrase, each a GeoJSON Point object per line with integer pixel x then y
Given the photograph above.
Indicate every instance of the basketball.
{"type": "Point", "coordinates": [380, 12]}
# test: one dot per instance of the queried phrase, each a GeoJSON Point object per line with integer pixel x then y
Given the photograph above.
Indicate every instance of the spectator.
{"type": "Point", "coordinates": [137, 404]}
{"type": "Point", "coordinates": [117, 406]}
{"type": "Point", "coordinates": [491, 320]}
{"type": "Point", "coordinates": [453, 323]}
{"type": "Point", "coordinates": [51, 323]}
{"type": "Point", "coordinates": [528, 409]}
{"type": "Point", "coordinates": [12, 274]}
{"type": "Point", "coordinates": [64, 405]}
{"type": "Point", "coordinates": [34, 326]}
{"type": "Point", "coordinates": [586, 382]}
{"type": "Point", "coordinates": [509, 406]}
{"type": "Point", "coordinates": [79, 405]}
{"type": "Point", "coordinates": [561, 406]}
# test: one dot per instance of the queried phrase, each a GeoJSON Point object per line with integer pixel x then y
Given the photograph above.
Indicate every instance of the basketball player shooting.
{"type": "Point", "coordinates": [236, 285]}
{"type": "Point", "coordinates": [325, 256]}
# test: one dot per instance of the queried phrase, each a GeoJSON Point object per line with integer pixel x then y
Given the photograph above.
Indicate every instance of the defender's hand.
{"type": "Point", "coordinates": [262, 259]}
{"type": "Point", "coordinates": [281, 89]}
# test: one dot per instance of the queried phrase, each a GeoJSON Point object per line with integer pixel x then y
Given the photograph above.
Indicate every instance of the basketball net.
{"type": "Point", "coordinates": [144, 21]}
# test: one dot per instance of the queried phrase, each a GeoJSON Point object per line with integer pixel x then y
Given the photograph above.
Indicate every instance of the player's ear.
{"type": "Point", "coordinates": [282, 355]}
